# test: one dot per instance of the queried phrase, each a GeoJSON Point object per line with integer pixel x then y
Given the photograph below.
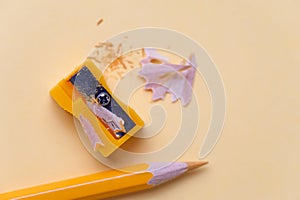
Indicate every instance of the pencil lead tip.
{"type": "Point", "coordinates": [196, 164]}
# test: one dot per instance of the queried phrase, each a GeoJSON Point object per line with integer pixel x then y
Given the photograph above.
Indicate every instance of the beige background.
{"type": "Point", "coordinates": [255, 44]}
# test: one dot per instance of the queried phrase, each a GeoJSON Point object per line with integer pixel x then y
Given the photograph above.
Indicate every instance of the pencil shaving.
{"type": "Point", "coordinates": [99, 21]}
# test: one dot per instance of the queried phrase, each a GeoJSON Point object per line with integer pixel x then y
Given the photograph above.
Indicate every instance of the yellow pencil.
{"type": "Point", "coordinates": [106, 184]}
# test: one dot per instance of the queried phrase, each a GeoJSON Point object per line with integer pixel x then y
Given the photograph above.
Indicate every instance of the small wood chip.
{"type": "Point", "coordinates": [99, 21]}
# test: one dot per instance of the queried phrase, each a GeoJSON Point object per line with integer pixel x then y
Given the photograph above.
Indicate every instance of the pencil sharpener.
{"type": "Point", "coordinates": [106, 121]}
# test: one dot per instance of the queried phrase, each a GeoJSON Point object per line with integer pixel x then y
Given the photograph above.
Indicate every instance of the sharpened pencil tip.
{"type": "Point", "coordinates": [196, 164]}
